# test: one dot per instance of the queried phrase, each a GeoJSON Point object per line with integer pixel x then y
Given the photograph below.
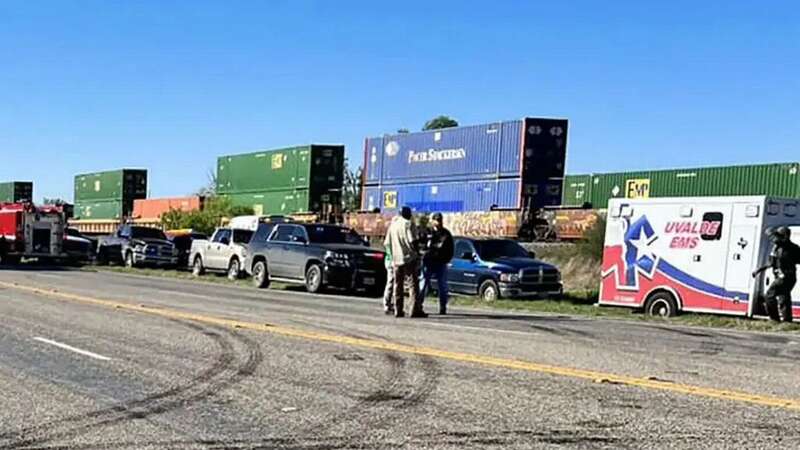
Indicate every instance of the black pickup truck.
{"type": "Point", "coordinates": [137, 246]}
{"type": "Point", "coordinates": [316, 255]}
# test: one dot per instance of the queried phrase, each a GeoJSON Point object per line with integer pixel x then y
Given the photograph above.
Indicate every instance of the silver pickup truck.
{"type": "Point", "coordinates": [224, 252]}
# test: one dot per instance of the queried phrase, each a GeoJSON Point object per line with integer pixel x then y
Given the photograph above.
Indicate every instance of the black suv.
{"type": "Point", "coordinates": [137, 246]}
{"type": "Point", "coordinates": [316, 255]}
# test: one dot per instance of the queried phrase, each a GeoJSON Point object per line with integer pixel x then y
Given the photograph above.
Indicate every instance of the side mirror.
{"type": "Point", "coordinates": [532, 255]}
{"type": "Point", "coordinates": [468, 256]}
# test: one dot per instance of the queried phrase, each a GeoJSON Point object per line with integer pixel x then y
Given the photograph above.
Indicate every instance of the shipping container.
{"type": "Point", "coordinates": [16, 191]}
{"type": "Point", "coordinates": [780, 180]}
{"type": "Point", "coordinates": [530, 148]}
{"type": "Point", "coordinates": [153, 208]}
{"type": "Point", "coordinates": [448, 196]}
{"type": "Point", "coordinates": [123, 184]}
{"type": "Point", "coordinates": [577, 190]}
{"type": "Point", "coordinates": [289, 201]}
{"type": "Point", "coordinates": [99, 210]}
{"type": "Point", "coordinates": [310, 166]}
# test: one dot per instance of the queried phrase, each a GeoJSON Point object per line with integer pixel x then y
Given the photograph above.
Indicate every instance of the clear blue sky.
{"type": "Point", "coordinates": [169, 85]}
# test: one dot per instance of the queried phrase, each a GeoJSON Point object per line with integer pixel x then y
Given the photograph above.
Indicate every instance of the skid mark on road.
{"type": "Point", "coordinates": [591, 375]}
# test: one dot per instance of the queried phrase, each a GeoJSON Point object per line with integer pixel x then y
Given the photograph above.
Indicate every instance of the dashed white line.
{"type": "Point", "coordinates": [72, 349]}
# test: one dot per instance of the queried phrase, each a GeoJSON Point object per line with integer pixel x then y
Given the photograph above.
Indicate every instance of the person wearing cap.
{"type": "Point", "coordinates": [783, 261]}
{"type": "Point", "coordinates": [401, 241]}
{"type": "Point", "coordinates": [439, 252]}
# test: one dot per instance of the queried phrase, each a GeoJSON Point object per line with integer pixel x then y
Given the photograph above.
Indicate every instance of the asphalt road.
{"type": "Point", "coordinates": [109, 361]}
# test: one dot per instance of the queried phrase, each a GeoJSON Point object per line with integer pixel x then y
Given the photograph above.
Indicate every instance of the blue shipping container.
{"type": "Point", "coordinates": [445, 197]}
{"type": "Point", "coordinates": [532, 149]}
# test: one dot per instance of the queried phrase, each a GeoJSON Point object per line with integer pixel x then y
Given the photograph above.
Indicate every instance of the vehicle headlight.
{"type": "Point", "coordinates": [509, 277]}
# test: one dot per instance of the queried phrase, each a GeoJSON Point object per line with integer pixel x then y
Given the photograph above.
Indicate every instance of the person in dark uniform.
{"type": "Point", "coordinates": [783, 261]}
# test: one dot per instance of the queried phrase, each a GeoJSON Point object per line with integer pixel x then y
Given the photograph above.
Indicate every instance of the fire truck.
{"type": "Point", "coordinates": [667, 255]}
{"type": "Point", "coordinates": [27, 231]}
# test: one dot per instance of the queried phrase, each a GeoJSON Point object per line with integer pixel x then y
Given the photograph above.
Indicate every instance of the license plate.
{"type": "Point", "coordinates": [369, 281]}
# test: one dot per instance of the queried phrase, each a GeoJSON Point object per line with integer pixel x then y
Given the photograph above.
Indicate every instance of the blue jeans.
{"type": "Point", "coordinates": [430, 271]}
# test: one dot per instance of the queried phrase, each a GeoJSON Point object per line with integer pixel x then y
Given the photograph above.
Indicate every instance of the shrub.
{"type": "Point", "coordinates": [206, 220]}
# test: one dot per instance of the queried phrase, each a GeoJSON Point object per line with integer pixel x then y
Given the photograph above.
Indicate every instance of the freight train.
{"type": "Point", "coordinates": [497, 179]}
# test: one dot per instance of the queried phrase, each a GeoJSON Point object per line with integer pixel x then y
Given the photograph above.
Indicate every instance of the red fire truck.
{"type": "Point", "coordinates": [27, 231]}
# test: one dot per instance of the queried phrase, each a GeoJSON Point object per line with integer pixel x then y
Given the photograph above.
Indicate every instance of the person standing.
{"type": "Point", "coordinates": [401, 238]}
{"type": "Point", "coordinates": [783, 261]}
{"type": "Point", "coordinates": [388, 292]}
{"type": "Point", "coordinates": [440, 250]}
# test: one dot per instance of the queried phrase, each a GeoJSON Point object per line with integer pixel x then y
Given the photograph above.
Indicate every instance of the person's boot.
{"type": "Point", "coordinates": [398, 309]}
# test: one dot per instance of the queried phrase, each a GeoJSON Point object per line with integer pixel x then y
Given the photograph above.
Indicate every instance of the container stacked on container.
{"type": "Point", "coordinates": [515, 164]}
{"type": "Point", "coordinates": [284, 181]}
{"type": "Point", "coordinates": [109, 195]}
{"type": "Point", "coordinates": [595, 190]}
{"type": "Point", "coordinates": [16, 191]}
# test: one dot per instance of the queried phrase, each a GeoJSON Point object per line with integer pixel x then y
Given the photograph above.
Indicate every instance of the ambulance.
{"type": "Point", "coordinates": [667, 255]}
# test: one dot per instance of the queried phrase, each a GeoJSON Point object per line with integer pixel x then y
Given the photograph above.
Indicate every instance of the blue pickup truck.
{"type": "Point", "coordinates": [495, 268]}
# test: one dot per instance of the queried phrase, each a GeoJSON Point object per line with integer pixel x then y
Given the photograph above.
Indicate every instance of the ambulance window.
{"type": "Point", "coordinates": [712, 226]}
{"type": "Point", "coordinates": [773, 209]}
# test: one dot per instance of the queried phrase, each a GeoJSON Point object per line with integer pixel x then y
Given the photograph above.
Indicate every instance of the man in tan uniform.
{"type": "Point", "coordinates": [401, 239]}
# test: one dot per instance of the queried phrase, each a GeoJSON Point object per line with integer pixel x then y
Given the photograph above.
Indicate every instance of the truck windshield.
{"type": "Point", "coordinates": [147, 233]}
{"type": "Point", "coordinates": [242, 236]}
{"type": "Point", "coordinates": [330, 234]}
{"type": "Point", "coordinates": [493, 249]}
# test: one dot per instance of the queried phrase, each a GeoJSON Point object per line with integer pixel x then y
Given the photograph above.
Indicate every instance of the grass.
{"type": "Point", "coordinates": [581, 303]}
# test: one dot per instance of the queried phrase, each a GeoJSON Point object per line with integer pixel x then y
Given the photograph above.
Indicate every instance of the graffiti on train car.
{"type": "Point", "coordinates": [574, 223]}
{"type": "Point", "coordinates": [482, 224]}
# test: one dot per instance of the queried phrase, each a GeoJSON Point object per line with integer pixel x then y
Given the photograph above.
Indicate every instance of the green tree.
{"type": "Point", "coordinates": [205, 221]}
{"type": "Point", "coordinates": [440, 122]}
{"type": "Point", "coordinates": [351, 189]}
{"type": "Point", "coordinates": [210, 188]}
{"type": "Point", "coordinates": [54, 201]}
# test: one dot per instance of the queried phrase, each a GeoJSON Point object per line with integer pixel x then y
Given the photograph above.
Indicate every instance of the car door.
{"type": "Point", "coordinates": [278, 250]}
{"type": "Point", "coordinates": [215, 250]}
{"type": "Point", "coordinates": [461, 274]}
{"type": "Point", "coordinates": [296, 254]}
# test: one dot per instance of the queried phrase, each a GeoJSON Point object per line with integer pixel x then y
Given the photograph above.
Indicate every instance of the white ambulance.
{"type": "Point", "coordinates": [667, 255]}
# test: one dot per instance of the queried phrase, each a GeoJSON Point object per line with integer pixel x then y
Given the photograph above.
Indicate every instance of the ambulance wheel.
{"type": "Point", "coordinates": [661, 304]}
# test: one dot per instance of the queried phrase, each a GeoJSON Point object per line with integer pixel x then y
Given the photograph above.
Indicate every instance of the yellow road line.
{"type": "Point", "coordinates": [596, 376]}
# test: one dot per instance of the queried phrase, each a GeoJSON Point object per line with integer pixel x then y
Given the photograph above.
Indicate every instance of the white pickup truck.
{"type": "Point", "coordinates": [224, 252]}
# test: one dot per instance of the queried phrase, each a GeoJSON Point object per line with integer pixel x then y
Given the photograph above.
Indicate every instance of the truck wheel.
{"type": "Point", "coordinates": [661, 304]}
{"type": "Point", "coordinates": [314, 278]}
{"type": "Point", "coordinates": [129, 262]}
{"type": "Point", "coordinates": [260, 275]}
{"type": "Point", "coordinates": [197, 266]}
{"type": "Point", "coordinates": [489, 291]}
{"type": "Point", "coordinates": [234, 270]}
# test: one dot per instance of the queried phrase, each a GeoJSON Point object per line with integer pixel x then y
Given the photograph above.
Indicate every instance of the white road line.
{"type": "Point", "coordinates": [72, 349]}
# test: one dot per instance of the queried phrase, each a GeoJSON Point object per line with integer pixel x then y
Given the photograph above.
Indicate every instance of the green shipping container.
{"type": "Point", "coordinates": [124, 184]}
{"type": "Point", "coordinates": [99, 210]}
{"type": "Point", "coordinates": [16, 191]}
{"type": "Point", "coordinates": [780, 179]}
{"type": "Point", "coordinates": [313, 166]}
{"type": "Point", "coordinates": [577, 190]}
{"type": "Point", "coordinates": [283, 202]}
